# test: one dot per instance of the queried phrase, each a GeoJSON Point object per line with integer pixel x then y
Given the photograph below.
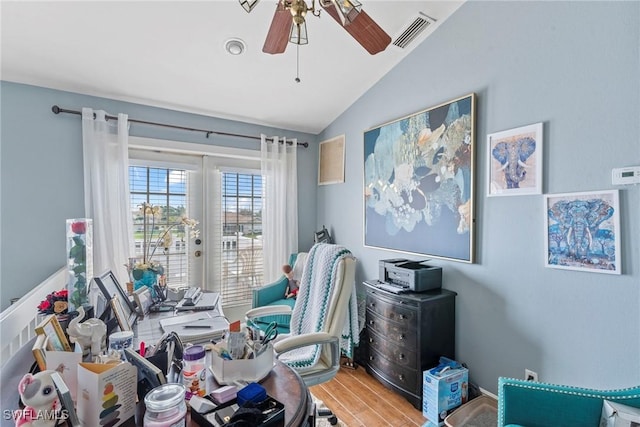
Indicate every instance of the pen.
{"type": "Point", "coordinates": [143, 348]}
{"type": "Point", "coordinates": [197, 326]}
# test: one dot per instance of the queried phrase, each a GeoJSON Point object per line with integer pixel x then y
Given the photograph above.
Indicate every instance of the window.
{"type": "Point", "coordinates": [167, 189]}
{"type": "Point", "coordinates": [241, 223]}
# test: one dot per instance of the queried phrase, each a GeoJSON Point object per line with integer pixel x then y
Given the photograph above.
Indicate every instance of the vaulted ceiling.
{"type": "Point", "coordinates": [171, 54]}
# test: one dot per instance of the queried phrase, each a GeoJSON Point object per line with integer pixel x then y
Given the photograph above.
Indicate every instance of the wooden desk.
{"type": "Point", "coordinates": [283, 383]}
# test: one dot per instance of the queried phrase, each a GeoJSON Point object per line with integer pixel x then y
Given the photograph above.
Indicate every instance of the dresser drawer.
{"type": "Point", "coordinates": [400, 355]}
{"type": "Point", "coordinates": [398, 311]}
{"type": "Point", "coordinates": [401, 334]}
{"type": "Point", "coordinates": [403, 377]}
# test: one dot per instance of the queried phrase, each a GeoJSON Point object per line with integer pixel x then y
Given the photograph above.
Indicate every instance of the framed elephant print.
{"type": "Point", "coordinates": [583, 231]}
{"type": "Point", "coordinates": [419, 182]}
{"type": "Point", "coordinates": [515, 161]}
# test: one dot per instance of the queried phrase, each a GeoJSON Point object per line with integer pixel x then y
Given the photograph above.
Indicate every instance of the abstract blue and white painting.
{"type": "Point", "coordinates": [583, 231]}
{"type": "Point", "coordinates": [418, 182]}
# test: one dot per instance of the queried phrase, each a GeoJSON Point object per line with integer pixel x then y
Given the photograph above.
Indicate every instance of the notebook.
{"type": "Point", "coordinates": [208, 301]}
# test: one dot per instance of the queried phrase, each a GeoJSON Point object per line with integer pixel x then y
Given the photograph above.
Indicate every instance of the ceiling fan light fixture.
{"type": "Point", "coordinates": [248, 5]}
{"type": "Point", "coordinates": [347, 10]}
{"type": "Point", "coordinates": [298, 33]}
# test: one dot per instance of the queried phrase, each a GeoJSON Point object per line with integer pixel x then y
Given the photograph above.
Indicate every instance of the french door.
{"type": "Point", "coordinates": [222, 190]}
{"type": "Point", "coordinates": [172, 184]}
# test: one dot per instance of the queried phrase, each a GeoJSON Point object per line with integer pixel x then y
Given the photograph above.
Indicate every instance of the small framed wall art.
{"type": "Point", "coordinates": [583, 231]}
{"type": "Point", "coordinates": [515, 161]}
{"type": "Point", "coordinates": [331, 161]}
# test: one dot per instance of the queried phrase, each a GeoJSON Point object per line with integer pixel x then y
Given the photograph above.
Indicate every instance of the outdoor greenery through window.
{"type": "Point", "coordinates": [241, 236]}
{"type": "Point", "coordinates": [166, 189]}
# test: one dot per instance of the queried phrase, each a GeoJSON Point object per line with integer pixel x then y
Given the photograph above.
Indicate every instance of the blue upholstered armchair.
{"type": "Point", "coordinates": [534, 404]}
{"type": "Point", "coordinates": [273, 295]}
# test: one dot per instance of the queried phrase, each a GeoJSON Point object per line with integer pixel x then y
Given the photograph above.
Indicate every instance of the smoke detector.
{"type": "Point", "coordinates": [235, 46]}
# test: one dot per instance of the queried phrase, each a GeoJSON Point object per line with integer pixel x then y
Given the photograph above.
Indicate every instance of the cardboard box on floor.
{"type": "Point", "coordinates": [444, 388]}
{"type": "Point", "coordinates": [106, 393]}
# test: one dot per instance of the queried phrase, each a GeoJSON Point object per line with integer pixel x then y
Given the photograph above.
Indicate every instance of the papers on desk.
{"type": "Point", "coordinates": [196, 327]}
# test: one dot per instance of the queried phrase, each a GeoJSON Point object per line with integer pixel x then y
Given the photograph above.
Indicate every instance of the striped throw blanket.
{"type": "Point", "coordinates": [309, 314]}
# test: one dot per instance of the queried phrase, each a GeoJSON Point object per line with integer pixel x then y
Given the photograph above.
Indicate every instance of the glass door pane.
{"type": "Point", "coordinates": [166, 239]}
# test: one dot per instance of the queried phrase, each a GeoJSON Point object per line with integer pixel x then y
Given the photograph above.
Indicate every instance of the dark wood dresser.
{"type": "Point", "coordinates": [406, 334]}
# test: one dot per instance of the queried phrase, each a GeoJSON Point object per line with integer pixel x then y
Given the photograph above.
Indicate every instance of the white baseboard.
{"type": "Point", "coordinates": [488, 393]}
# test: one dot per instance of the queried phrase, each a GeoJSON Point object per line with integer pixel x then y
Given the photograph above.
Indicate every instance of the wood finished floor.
{"type": "Point", "coordinates": [358, 399]}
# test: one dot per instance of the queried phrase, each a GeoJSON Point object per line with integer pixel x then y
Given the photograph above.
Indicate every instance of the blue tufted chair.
{"type": "Point", "coordinates": [534, 404]}
{"type": "Point", "coordinates": [273, 295]}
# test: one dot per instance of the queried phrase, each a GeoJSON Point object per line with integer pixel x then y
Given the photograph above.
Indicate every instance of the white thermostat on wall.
{"type": "Point", "coordinates": [625, 176]}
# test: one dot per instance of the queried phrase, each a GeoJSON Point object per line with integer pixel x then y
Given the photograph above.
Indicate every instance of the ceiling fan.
{"type": "Point", "coordinates": [288, 24]}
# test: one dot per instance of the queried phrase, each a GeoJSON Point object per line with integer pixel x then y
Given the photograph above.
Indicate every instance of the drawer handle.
{"type": "Point", "coordinates": [370, 340]}
{"type": "Point", "coordinates": [372, 305]}
{"type": "Point", "coordinates": [401, 377]}
{"type": "Point", "coordinates": [401, 356]}
{"type": "Point", "coordinates": [371, 322]}
{"type": "Point", "coordinates": [401, 317]}
{"type": "Point", "coordinates": [402, 336]}
{"type": "Point", "coordinates": [370, 357]}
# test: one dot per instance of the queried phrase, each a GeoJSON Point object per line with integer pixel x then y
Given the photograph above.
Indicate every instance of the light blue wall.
{"type": "Point", "coordinates": [42, 179]}
{"type": "Point", "coordinates": [572, 65]}
{"type": "Point", "coordinates": [575, 67]}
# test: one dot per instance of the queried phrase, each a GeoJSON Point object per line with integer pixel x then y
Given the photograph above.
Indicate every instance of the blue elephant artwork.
{"type": "Point", "coordinates": [582, 230]}
{"type": "Point", "coordinates": [516, 161]}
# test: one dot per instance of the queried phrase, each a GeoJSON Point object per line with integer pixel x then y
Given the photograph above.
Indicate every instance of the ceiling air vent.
{"type": "Point", "coordinates": [415, 28]}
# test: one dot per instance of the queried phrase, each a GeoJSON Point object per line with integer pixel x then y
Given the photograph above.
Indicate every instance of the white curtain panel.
{"type": "Point", "coordinates": [280, 206]}
{"type": "Point", "coordinates": [106, 190]}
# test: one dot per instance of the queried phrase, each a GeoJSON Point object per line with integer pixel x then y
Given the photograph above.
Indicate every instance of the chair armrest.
{"type": "Point", "coordinates": [269, 310]}
{"type": "Point", "coordinates": [317, 338]}
{"type": "Point", "coordinates": [270, 293]}
{"type": "Point", "coordinates": [535, 404]}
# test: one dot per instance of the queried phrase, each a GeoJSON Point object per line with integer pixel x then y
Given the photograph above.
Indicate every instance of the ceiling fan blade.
{"type": "Point", "coordinates": [278, 35]}
{"type": "Point", "coordinates": [363, 29]}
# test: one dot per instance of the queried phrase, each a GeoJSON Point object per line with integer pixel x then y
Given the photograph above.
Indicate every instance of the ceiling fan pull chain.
{"type": "Point", "coordinates": [297, 79]}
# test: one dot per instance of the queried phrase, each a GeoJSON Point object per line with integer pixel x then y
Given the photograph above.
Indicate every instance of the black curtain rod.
{"type": "Point", "coordinates": [58, 110]}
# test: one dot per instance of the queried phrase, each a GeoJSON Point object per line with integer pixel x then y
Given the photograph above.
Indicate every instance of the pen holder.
{"type": "Point", "coordinates": [250, 370]}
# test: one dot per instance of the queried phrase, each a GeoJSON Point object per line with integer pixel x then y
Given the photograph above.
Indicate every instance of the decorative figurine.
{"type": "Point", "coordinates": [38, 394]}
{"type": "Point", "coordinates": [292, 285]}
{"type": "Point", "coordinates": [90, 334]}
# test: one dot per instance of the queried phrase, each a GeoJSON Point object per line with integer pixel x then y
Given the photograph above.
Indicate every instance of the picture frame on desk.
{"type": "Point", "coordinates": [66, 400]}
{"type": "Point", "coordinates": [143, 300]}
{"type": "Point", "coordinates": [39, 351]}
{"type": "Point", "coordinates": [56, 338]}
{"type": "Point", "coordinates": [109, 286]}
{"type": "Point", "coordinates": [149, 375]}
{"type": "Point", "coordinates": [121, 314]}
